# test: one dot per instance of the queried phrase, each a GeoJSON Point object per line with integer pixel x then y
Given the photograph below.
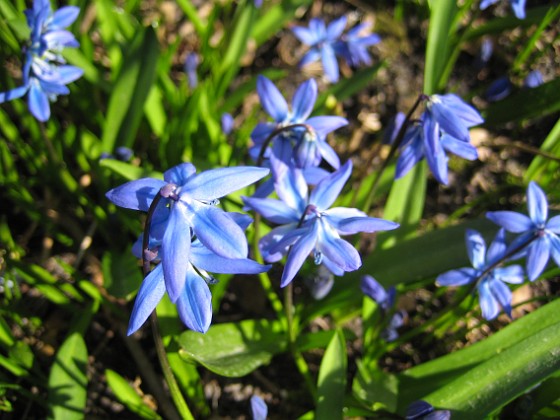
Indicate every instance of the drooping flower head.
{"type": "Point", "coordinates": [442, 128]}
{"type": "Point", "coordinates": [489, 277]}
{"type": "Point", "coordinates": [538, 234]}
{"type": "Point", "coordinates": [45, 74]}
{"type": "Point", "coordinates": [353, 45]}
{"type": "Point", "coordinates": [421, 410]}
{"type": "Point", "coordinates": [259, 410]}
{"type": "Point", "coordinates": [386, 301]}
{"type": "Point", "coordinates": [191, 68]}
{"type": "Point", "coordinates": [309, 225]}
{"type": "Point", "coordinates": [187, 231]}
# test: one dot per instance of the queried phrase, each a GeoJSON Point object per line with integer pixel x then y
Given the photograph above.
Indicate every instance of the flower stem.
{"type": "Point", "coordinates": [277, 131]}
{"type": "Point", "coordinates": [176, 395]}
{"type": "Point", "coordinates": [394, 147]}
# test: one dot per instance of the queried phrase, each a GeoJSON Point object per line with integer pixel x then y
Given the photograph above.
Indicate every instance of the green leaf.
{"type": "Point", "coordinates": [492, 384]}
{"type": "Point", "coordinates": [525, 103]}
{"type": "Point", "coordinates": [377, 388]}
{"type": "Point", "coordinates": [331, 385]}
{"type": "Point", "coordinates": [68, 380]}
{"type": "Point", "coordinates": [541, 166]}
{"type": "Point", "coordinates": [442, 15]}
{"type": "Point", "coordinates": [234, 349]}
{"type": "Point", "coordinates": [121, 275]}
{"type": "Point", "coordinates": [129, 171]}
{"type": "Point", "coordinates": [428, 377]}
{"type": "Point", "coordinates": [126, 105]}
{"type": "Point", "coordinates": [128, 396]}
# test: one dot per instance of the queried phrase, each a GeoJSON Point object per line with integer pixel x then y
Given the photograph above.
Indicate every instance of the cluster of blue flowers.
{"type": "Point", "coordinates": [518, 6]}
{"type": "Point", "coordinates": [537, 241]}
{"type": "Point", "coordinates": [328, 41]}
{"type": "Point", "coordinates": [45, 74]}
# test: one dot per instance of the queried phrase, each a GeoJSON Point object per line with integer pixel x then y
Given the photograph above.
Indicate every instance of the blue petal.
{"type": "Point", "coordinates": [447, 119]}
{"type": "Point", "coordinates": [553, 225]}
{"type": "Point", "coordinates": [67, 74]}
{"type": "Point", "coordinates": [371, 287]}
{"type": "Point", "coordinates": [258, 408]}
{"type": "Point", "coordinates": [458, 277]}
{"type": "Point", "coordinates": [476, 248]}
{"type": "Point", "coordinates": [328, 154]}
{"type": "Point", "coordinates": [537, 257]}
{"type": "Point", "coordinates": [486, 3]}
{"type": "Point", "coordinates": [499, 89]}
{"type": "Point", "coordinates": [217, 231]}
{"type": "Point", "coordinates": [150, 293]}
{"type": "Point", "coordinates": [310, 57]}
{"type": "Point", "coordinates": [488, 304]}
{"type": "Point", "coordinates": [261, 132]}
{"type": "Point", "coordinates": [466, 113]}
{"type": "Point", "coordinates": [38, 102]}
{"type": "Point", "coordinates": [64, 17]}
{"type": "Point", "coordinates": [502, 294]}
{"type": "Point", "coordinates": [289, 184]}
{"type": "Point", "coordinates": [518, 7]}
{"type": "Point", "coordinates": [435, 155]}
{"type": "Point", "coordinates": [305, 35]}
{"type": "Point", "coordinates": [497, 248]}
{"type": "Point", "coordinates": [418, 409]}
{"type": "Point", "coordinates": [339, 251]}
{"type": "Point", "coordinates": [323, 125]}
{"type": "Point", "coordinates": [179, 174]}
{"type": "Point", "coordinates": [273, 210]}
{"type": "Point", "coordinates": [458, 147]}
{"type": "Point", "coordinates": [136, 195]}
{"type": "Point", "coordinates": [410, 156]}
{"type": "Point", "coordinates": [60, 38]}
{"type": "Point", "coordinates": [330, 66]}
{"type": "Point", "coordinates": [13, 94]}
{"type": "Point", "coordinates": [510, 220]}
{"type": "Point", "coordinates": [335, 28]}
{"type": "Point", "coordinates": [364, 224]}
{"type": "Point", "coordinates": [537, 203]}
{"type": "Point", "coordinates": [271, 99]}
{"type": "Point", "coordinates": [195, 303]}
{"type": "Point", "coordinates": [269, 242]}
{"type": "Point", "coordinates": [336, 270]}
{"type": "Point", "coordinates": [327, 191]}
{"type": "Point", "coordinates": [205, 259]}
{"type": "Point", "coordinates": [513, 274]}
{"type": "Point", "coordinates": [175, 250]}
{"type": "Point", "coordinates": [216, 183]}
{"type": "Point", "coordinates": [298, 254]}
{"type": "Point", "coordinates": [313, 175]}
{"type": "Point", "coordinates": [554, 247]}
{"type": "Point", "coordinates": [304, 100]}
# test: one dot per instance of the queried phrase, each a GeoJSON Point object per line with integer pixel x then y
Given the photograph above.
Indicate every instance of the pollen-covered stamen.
{"type": "Point", "coordinates": [170, 191]}
{"type": "Point", "coordinates": [317, 257]}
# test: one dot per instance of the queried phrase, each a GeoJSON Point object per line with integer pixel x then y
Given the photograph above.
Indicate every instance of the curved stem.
{"type": "Point", "coordinates": [277, 131]}
{"type": "Point", "coordinates": [176, 395]}
{"type": "Point", "coordinates": [394, 147]}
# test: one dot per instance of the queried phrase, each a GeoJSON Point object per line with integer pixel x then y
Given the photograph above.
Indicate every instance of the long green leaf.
{"type": "Point", "coordinates": [331, 385]}
{"type": "Point", "coordinates": [128, 396]}
{"type": "Point", "coordinates": [499, 380]}
{"type": "Point", "coordinates": [234, 349]}
{"type": "Point", "coordinates": [68, 380]}
{"type": "Point", "coordinates": [131, 90]}
{"type": "Point", "coordinates": [541, 166]}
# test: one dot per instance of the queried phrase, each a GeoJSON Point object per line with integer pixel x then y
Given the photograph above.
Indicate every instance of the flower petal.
{"type": "Point", "coordinates": [203, 258]}
{"type": "Point", "coordinates": [216, 183]}
{"type": "Point", "coordinates": [271, 99]}
{"type": "Point", "coordinates": [13, 93]}
{"type": "Point", "coordinates": [502, 294]}
{"type": "Point", "coordinates": [273, 210]}
{"type": "Point", "coordinates": [458, 277]}
{"type": "Point", "coordinates": [511, 221]}
{"type": "Point", "coordinates": [195, 303]}
{"type": "Point", "coordinates": [136, 195]}
{"type": "Point", "coordinates": [513, 274]}
{"type": "Point", "coordinates": [38, 102]}
{"type": "Point", "coordinates": [175, 250]}
{"type": "Point", "coordinates": [327, 191]}
{"type": "Point", "coordinates": [325, 124]}
{"type": "Point", "coordinates": [364, 224]}
{"type": "Point", "coordinates": [460, 148]}
{"type": "Point", "coordinates": [488, 304]}
{"type": "Point", "coordinates": [298, 254]}
{"type": "Point", "coordinates": [304, 100]}
{"type": "Point", "coordinates": [537, 257]}
{"type": "Point", "coordinates": [435, 155]}
{"type": "Point", "coordinates": [64, 17]}
{"type": "Point", "coordinates": [373, 289]}
{"type": "Point", "coordinates": [330, 65]}
{"type": "Point", "coordinates": [179, 174]}
{"type": "Point", "coordinates": [150, 293]}
{"type": "Point", "coordinates": [476, 248]}
{"type": "Point", "coordinates": [537, 203]}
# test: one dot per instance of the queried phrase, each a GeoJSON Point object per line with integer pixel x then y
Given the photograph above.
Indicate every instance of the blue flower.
{"type": "Point", "coordinates": [191, 65]}
{"type": "Point", "coordinates": [533, 79]}
{"type": "Point", "coordinates": [323, 40]}
{"type": "Point", "coordinates": [189, 209]}
{"type": "Point", "coordinates": [373, 289]}
{"type": "Point", "coordinates": [194, 302]}
{"type": "Point", "coordinates": [539, 236]}
{"type": "Point", "coordinates": [518, 6]}
{"type": "Point", "coordinates": [443, 127]}
{"type": "Point", "coordinates": [489, 277]}
{"type": "Point", "coordinates": [354, 44]}
{"type": "Point", "coordinates": [421, 410]}
{"type": "Point", "coordinates": [499, 89]}
{"type": "Point", "coordinates": [227, 123]}
{"type": "Point", "coordinates": [308, 225]}
{"type": "Point", "coordinates": [259, 409]}
{"type": "Point", "coordinates": [44, 74]}
{"type": "Point", "coordinates": [305, 145]}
